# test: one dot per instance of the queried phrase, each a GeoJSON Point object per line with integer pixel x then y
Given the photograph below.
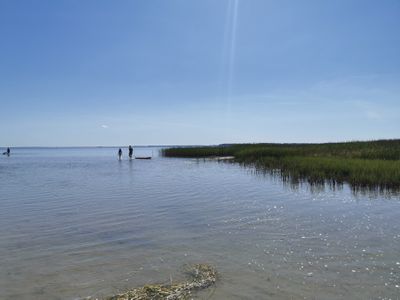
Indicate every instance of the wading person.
{"type": "Point", "coordinates": [7, 152]}
{"type": "Point", "coordinates": [130, 152]}
{"type": "Point", "coordinates": [119, 154]}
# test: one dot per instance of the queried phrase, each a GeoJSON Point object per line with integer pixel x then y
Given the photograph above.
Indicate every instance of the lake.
{"type": "Point", "coordinates": [76, 222]}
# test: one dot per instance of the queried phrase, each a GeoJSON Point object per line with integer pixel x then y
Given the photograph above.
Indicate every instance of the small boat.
{"type": "Point", "coordinates": [142, 157]}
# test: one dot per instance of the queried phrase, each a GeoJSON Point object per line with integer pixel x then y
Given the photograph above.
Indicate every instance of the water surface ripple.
{"type": "Point", "coordinates": [76, 222]}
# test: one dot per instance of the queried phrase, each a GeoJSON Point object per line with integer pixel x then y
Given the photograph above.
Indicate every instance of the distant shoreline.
{"type": "Point", "coordinates": [86, 147]}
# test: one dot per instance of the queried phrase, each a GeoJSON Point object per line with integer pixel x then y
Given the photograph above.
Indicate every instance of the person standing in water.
{"type": "Point", "coordinates": [7, 152]}
{"type": "Point", "coordinates": [130, 152]}
{"type": "Point", "coordinates": [119, 154]}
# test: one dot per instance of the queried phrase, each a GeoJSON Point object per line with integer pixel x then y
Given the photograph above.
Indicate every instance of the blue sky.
{"type": "Point", "coordinates": [198, 72]}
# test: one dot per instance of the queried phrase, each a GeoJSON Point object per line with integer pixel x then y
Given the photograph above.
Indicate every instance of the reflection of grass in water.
{"type": "Point", "coordinates": [367, 174]}
{"type": "Point", "coordinates": [200, 276]}
{"type": "Point", "coordinates": [370, 165]}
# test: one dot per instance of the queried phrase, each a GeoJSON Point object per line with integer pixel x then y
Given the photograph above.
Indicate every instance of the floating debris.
{"type": "Point", "coordinates": [219, 158]}
{"type": "Point", "coordinates": [200, 276]}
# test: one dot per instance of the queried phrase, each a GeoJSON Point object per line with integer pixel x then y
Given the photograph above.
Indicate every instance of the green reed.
{"type": "Point", "coordinates": [370, 164]}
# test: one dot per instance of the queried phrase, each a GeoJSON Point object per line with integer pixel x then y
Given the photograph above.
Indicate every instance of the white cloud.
{"type": "Point", "coordinates": [104, 126]}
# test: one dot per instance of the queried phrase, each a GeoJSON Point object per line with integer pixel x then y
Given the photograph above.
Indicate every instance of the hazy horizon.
{"type": "Point", "coordinates": [181, 145]}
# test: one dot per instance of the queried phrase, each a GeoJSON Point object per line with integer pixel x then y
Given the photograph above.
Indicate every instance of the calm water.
{"type": "Point", "coordinates": [77, 223]}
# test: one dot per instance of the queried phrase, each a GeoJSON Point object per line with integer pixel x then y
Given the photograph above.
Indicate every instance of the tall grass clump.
{"type": "Point", "coordinates": [370, 164]}
{"type": "Point", "coordinates": [198, 152]}
{"type": "Point", "coordinates": [359, 173]}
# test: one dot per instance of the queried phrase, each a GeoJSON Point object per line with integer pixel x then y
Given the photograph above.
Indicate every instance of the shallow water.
{"type": "Point", "coordinates": [76, 222]}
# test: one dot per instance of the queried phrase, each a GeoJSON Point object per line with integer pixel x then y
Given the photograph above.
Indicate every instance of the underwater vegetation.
{"type": "Point", "coordinates": [200, 276]}
{"type": "Point", "coordinates": [370, 164]}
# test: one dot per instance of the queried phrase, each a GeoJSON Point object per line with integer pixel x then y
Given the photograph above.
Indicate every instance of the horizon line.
{"type": "Point", "coordinates": [215, 144]}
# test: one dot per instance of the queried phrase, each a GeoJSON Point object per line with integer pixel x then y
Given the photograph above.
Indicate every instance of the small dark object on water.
{"type": "Point", "coordinates": [119, 154]}
{"type": "Point", "coordinates": [142, 157]}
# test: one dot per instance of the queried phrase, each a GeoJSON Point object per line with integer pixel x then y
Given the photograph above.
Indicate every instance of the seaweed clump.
{"type": "Point", "coordinates": [200, 276]}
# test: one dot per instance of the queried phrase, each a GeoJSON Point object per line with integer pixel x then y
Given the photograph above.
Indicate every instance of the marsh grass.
{"type": "Point", "coordinates": [369, 165]}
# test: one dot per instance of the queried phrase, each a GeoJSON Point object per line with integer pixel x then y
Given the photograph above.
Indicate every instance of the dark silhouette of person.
{"type": "Point", "coordinates": [119, 154]}
{"type": "Point", "coordinates": [8, 151]}
{"type": "Point", "coordinates": [130, 152]}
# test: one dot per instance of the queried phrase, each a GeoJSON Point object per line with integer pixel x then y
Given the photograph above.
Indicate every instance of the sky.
{"type": "Point", "coordinates": [178, 72]}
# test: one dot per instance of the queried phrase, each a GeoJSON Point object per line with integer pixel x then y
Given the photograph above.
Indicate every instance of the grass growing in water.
{"type": "Point", "coordinates": [372, 164]}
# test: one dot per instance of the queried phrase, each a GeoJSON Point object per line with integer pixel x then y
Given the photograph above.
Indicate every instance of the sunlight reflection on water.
{"type": "Point", "coordinates": [76, 222]}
